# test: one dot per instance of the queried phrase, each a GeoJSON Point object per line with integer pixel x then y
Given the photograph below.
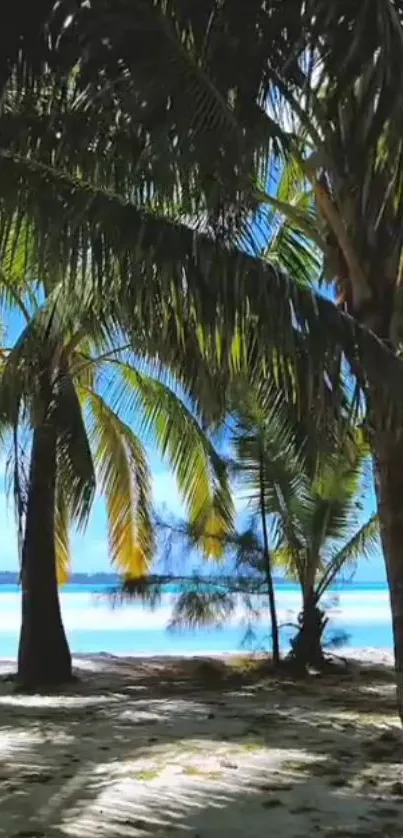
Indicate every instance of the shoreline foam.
{"type": "Point", "coordinates": [366, 656]}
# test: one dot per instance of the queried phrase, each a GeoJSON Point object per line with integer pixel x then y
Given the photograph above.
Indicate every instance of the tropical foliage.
{"type": "Point", "coordinates": [148, 198]}
{"type": "Point", "coordinates": [305, 496]}
{"type": "Point", "coordinates": [301, 515]}
{"type": "Point", "coordinates": [78, 389]}
{"type": "Point", "coordinates": [139, 146]}
{"type": "Point", "coordinates": [319, 535]}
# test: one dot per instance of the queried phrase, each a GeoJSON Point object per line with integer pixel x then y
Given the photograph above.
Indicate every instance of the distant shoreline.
{"type": "Point", "coordinates": [362, 658]}
{"type": "Point", "coordinates": [11, 578]}
{"type": "Point", "coordinates": [112, 579]}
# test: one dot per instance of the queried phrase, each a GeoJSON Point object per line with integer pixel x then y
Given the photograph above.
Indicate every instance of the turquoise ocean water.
{"type": "Point", "coordinates": [360, 611]}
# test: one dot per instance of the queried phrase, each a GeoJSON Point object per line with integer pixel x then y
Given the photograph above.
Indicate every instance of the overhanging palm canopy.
{"type": "Point", "coordinates": [67, 373]}
{"type": "Point", "coordinates": [119, 158]}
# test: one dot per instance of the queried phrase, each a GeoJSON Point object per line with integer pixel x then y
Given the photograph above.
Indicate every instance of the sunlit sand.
{"type": "Point", "coordinates": [168, 747]}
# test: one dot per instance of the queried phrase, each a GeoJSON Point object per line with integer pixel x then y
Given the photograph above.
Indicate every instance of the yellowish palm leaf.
{"type": "Point", "coordinates": [62, 538]}
{"type": "Point", "coordinates": [212, 539]}
{"type": "Point", "coordinates": [124, 478]}
{"type": "Point", "coordinates": [200, 473]}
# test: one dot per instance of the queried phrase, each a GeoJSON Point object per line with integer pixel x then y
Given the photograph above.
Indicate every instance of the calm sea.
{"type": "Point", "coordinates": [360, 612]}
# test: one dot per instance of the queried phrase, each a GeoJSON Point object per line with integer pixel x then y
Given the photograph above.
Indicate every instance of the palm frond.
{"type": "Point", "coordinates": [75, 464]}
{"type": "Point", "coordinates": [335, 490]}
{"type": "Point", "coordinates": [182, 117]}
{"type": "Point", "coordinates": [122, 466]}
{"type": "Point", "coordinates": [313, 530]}
{"type": "Point", "coordinates": [140, 262]}
{"type": "Point", "coordinates": [200, 472]}
{"type": "Point", "coordinates": [290, 559]}
{"type": "Point", "coordinates": [62, 536]}
{"type": "Point", "coordinates": [363, 544]}
{"type": "Point", "coordinates": [263, 437]}
{"type": "Point", "coordinates": [292, 228]}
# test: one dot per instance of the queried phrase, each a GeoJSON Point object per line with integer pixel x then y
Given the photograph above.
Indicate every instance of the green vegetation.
{"type": "Point", "coordinates": [303, 514]}
{"type": "Point", "coordinates": [194, 771]}
{"type": "Point", "coordinates": [182, 177]}
{"type": "Point", "coordinates": [253, 746]}
{"type": "Point", "coordinates": [79, 390]}
{"type": "Point", "coordinates": [319, 536]}
{"type": "Point", "coordinates": [147, 775]}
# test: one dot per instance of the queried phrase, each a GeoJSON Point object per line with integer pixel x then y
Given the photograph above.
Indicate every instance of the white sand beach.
{"type": "Point", "coordinates": [199, 748]}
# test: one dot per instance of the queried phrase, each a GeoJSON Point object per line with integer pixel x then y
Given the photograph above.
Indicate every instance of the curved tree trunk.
{"type": "Point", "coordinates": [43, 657]}
{"type": "Point", "coordinates": [389, 490]}
{"type": "Point", "coordinates": [307, 645]}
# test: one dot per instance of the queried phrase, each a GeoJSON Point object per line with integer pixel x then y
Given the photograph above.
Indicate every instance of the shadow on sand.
{"type": "Point", "coordinates": [201, 749]}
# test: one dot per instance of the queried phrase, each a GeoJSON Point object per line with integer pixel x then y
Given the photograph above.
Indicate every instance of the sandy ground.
{"type": "Point", "coordinates": [199, 749]}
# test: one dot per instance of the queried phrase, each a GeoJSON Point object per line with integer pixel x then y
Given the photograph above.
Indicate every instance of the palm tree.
{"type": "Point", "coordinates": [263, 449]}
{"type": "Point", "coordinates": [124, 130]}
{"type": "Point", "coordinates": [275, 457]}
{"type": "Point", "coordinates": [78, 391]}
{"type": "Point", "coordinates": [323, 82]}
{"type": "Point", "coordinates": [158, 200]}
{"type": "Point", "coordinates": [347, 153]}
{"type": "Point", "coordinates": [317, 535]}
{"type": "Point", "coordinates": [305, 494]}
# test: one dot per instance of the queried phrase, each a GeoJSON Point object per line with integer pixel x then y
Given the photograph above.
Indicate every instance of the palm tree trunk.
{"type": "Point", "coordinates": [43, 657]}
{"type": "Point", "coordinates": [307, 645]}
{"type": "Point", "coordinates": [269, 576]}
{"type": "Point", "coordinates": [389, 490]}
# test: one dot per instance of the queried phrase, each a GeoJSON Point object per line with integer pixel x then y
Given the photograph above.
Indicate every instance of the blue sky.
{"type": "Point", "coordinates": [90, 549]}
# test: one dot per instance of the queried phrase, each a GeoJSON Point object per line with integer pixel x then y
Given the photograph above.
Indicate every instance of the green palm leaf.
{"type": "Point", "coordinates": [200, 472]}
{"type": "Point", "coordinates": [140, 261]}
{"type": "Point", "coordinates": [363, 544]}
{"type": "Point", "coordinates": [75, 464]}
{"type": "Point", "coordinates": [62, 535]}
{"type": "Point", "coordinates": [124, 477]}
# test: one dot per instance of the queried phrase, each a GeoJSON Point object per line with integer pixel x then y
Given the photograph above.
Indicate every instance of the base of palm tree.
{"type": "Point", "coordinates": [21, 688]}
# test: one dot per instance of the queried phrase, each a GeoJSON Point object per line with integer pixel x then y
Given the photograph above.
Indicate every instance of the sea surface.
{"type": "Point", "coordinates": [359, 616]}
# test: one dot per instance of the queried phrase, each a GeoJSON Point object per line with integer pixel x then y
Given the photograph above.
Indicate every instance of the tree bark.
{"type": "Point", "coordinates": [269, 576]}
{"type": "Point", "coordinates": [307, 645]}
{"type": "Point", "coordinates": [389, 490]}
{"type": "Point", "coordinates": [44, 658]}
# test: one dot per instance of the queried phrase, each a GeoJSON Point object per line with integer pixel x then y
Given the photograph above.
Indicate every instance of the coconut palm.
{"type": "Point", "coordinates": [318, 535]}
{"type": "Point", "coordinates": [333, 103]}
{"type": "Point", "coordinates": [78, 391]}
{"type": "Point", "coordinates": [273, 452]}
{"type": "Point", "coordinates": [138, 124]}
{"type": "Point", "coordinates": [263, 449]}
{"type": "Point", "coordinates": [306, 502]}
{"type": "Point", "coordinates": [161, 202]}
{"type": "Point", "coordinates": [347, 150]}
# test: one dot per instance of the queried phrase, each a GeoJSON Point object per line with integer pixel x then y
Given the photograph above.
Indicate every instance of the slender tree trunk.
{"type": "Point", "coordinates": [44, 658]}
{"type": "Point", "coordinates": [269, 576]}
{"type": "Point", "coordinates": [389, 490]}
